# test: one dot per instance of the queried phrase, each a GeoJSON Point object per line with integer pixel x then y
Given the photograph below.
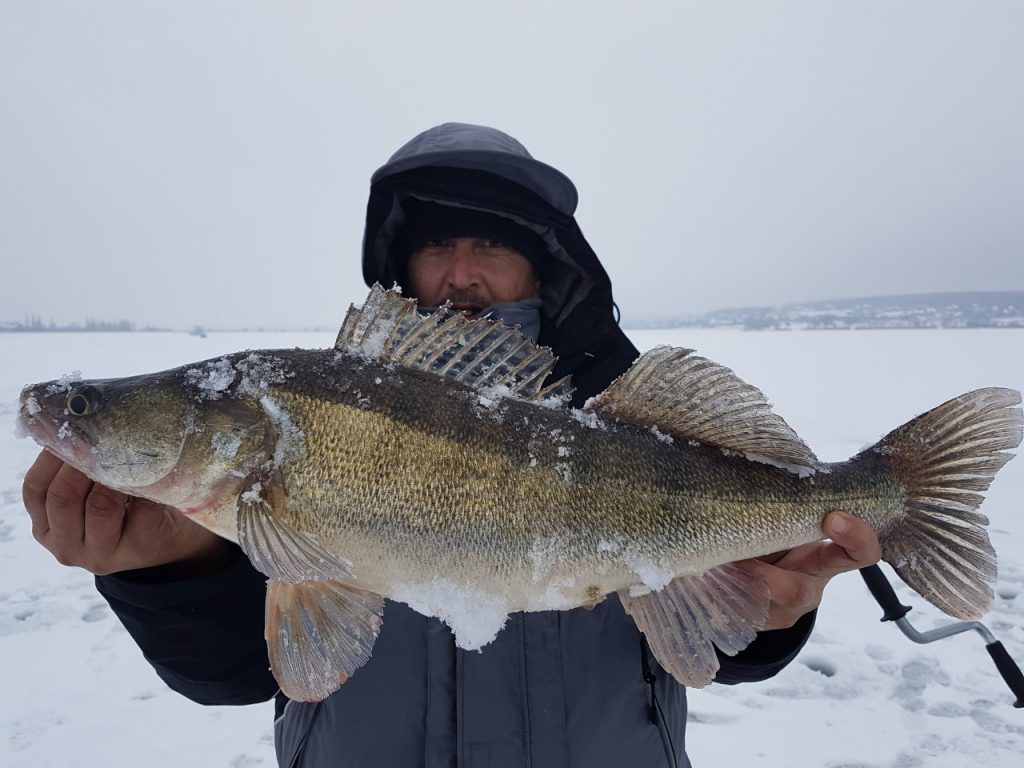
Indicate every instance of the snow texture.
{"type": "Point", "coordinates": [475, 617]}
{"type": "Point", "coordinates": [212, 378]}
{"type": "Point", "coordinates": [859, 695]}
{"type": "Point", "coordinates": [225, 446]}
{"type": "Point", "coordinates": [64, 383]}
{"type": "Point", "coordinates": [290, 439]}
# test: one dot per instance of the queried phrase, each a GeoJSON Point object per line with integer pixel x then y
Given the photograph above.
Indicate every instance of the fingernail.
{"type": "Point", "coordinates": [839, 523]}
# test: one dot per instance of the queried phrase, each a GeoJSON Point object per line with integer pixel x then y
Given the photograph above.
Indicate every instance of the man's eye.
{"type": "Point", "coordinates": [437, 243]}
{"type": "Point", "coordinates": [494, 244]}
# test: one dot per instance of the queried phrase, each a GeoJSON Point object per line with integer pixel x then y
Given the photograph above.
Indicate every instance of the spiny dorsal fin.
{"type": "Point", "coordinates": [692, 398]}
{"type": "Point", "coordinates": [481, 353]}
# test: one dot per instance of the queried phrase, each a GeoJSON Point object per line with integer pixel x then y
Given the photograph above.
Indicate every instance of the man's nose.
{"type": "Point", "coordinates": [463, 266]}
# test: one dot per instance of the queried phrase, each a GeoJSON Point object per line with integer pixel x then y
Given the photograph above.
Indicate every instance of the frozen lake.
{"type": "Point", "coordinates": [860, 695]}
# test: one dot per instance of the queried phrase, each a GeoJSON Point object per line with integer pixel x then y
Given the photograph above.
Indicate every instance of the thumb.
{"type": "Point", "coordinates": [856, 537]}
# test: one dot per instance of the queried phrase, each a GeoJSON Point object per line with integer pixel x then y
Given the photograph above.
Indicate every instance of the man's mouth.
{"type": "Point", "coordinates": [472, 310]}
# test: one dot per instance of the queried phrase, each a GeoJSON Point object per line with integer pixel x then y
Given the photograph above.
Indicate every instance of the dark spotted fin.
{"type": "Point", "coordinates": [946, 458]}
{"type": "Point", "coordinates": [481, 353]}
{"type": "Point", "coordinates": [691, 398]}
{"type": "Point", "coordinates": [319, 631]}
{"type": "Point", "coordinates": [724, 607]}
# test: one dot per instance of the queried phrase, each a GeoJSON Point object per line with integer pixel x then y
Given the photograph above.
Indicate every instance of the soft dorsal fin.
{"type": "Point", "coordinates": [482, 353]}
{"type": "Point", "coordinates": [692, 398]}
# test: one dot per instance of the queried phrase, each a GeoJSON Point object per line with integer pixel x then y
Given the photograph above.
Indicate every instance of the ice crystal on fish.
{"type": "Point", "coordinates": [225, 446]}
{"type": "Point", "coordinates": [64, 383]}
{"type": "Point", "coordinates": [213, 378]}
{"type": "Point", "coordinates": [474, 616]}
{"type": "Point", "coordinates": [587, 418]}
{"type": "Point", "coordinates": [259, 373]}
{"type": "Point", "coordinates": [253, 495]}
{"type": "Point", "coordinates": [290, 441]}
{"type": "Point", "coordinates": [662, 436]}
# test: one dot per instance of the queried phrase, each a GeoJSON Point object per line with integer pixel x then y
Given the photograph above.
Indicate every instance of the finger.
{"type": "Point", "coordinates": [856, 538]}
{"type": "Point", "coordinates": [788, 587]}
{"type": "Point", "coordinates": [33, 490]}
{"type": "Point", "coordinates": [821, 559]}
{"type": "Point", "coordinates": [773, 557]}
{"type": "Point", "coordinates": [792, 594]}
{"type": "Point", "coordinates": [105, 511]}
{"type": "Point", "coordinates": [65, 512]}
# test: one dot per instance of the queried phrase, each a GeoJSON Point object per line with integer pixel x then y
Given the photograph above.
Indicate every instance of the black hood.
{"type": "Point", "coordinates": [484, 169]}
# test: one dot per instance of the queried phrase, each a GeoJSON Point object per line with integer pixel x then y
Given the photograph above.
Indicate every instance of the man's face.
{"type": "Point", "coordinates": [471, 273]}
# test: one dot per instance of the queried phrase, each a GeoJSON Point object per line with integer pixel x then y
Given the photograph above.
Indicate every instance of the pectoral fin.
{"type": "Point", "coordinates": [725, 607]}
{"type": "Point", "coordinates": [274, 547]}
{"type": "Point", "coordinates": [318, 633]}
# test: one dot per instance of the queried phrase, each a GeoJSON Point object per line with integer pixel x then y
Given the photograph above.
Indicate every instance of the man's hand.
{"type": "Point", "coordinates": [797, 577]}
{"type": "Point", "coordinates": [84, 524]}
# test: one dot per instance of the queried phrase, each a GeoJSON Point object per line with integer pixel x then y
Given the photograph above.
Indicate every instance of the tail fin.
{"type": "Point", "coordinates": [946, 458]}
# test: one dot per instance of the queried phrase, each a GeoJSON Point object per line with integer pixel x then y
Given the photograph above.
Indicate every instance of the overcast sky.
{"type": "Point", "coordinates": [208, 162]}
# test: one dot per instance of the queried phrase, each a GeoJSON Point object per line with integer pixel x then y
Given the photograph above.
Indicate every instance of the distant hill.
{"type": "Point", "coordinates": [977, 309]}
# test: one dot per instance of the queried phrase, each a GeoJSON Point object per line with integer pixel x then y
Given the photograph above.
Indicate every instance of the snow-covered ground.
{"type": "Point", "coordinates": [860, 695]}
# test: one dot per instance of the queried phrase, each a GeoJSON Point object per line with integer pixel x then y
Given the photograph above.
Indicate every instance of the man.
{"type": "Point", "coordinates": [462, 214]}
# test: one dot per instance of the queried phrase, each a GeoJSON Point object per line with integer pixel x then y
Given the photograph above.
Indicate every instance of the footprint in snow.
{"type": "Point", "coordinates": [25, 733]}
{"type": "Point", "coordinates": [907, 761]}
{"type": "Point", "coordinates": [915, 676]}
{"type": "Point", "coordinates": [96, 612]}
{"type": "Point", "coordinates": [948, 709]}
{"type": "Point", "coordinates": [10, 496]}
{"type": "Point", "coordinates": [878, 652]}
{"type": "Point", "coordinates": [708, 718]}
{"type": "Point", "coordinates": [821, 664]}
{"type": "Point", "coordinates": [29, 617]}
{"type": "Point", "coordinates": [246, 761]}
{"type": "Point", "coordinates": [988, 720]}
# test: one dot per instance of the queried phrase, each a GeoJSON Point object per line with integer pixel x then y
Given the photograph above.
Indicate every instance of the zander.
{"type": "Point", "coordinates": [424, 460]}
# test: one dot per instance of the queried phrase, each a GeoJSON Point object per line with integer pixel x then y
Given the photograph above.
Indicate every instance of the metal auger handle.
{"type": "Point", "coordinates": [883, 593]}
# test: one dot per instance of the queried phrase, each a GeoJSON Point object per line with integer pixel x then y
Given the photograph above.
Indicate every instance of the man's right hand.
{"type": "Point", "coordinates": [104, 531]}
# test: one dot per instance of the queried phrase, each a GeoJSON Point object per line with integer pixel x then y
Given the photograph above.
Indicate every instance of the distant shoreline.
{"type": "Point", "coordinates": [926, 311]}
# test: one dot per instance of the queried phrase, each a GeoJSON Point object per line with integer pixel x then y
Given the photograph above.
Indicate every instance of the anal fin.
{"type": "Point", "coordinates": [725, 607]}
{"type": "Point", "coordinates": [318, 634]}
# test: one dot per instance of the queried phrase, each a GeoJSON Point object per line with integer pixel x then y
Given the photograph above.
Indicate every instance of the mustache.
{"type": "Point", "coordinates": [465, 296]}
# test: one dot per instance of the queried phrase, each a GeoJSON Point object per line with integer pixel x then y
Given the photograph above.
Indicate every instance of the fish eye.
{"type": "Point", "coordinates": [82, 401]}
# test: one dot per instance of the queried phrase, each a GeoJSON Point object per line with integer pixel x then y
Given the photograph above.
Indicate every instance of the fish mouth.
{"type": "Point", "coordinates": [58, 435]}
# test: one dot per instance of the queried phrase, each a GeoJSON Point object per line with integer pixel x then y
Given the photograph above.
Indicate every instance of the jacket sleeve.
{"type": "Point", "coordinates": [770, 652]}
{"type": "Point", "coordinates": [203, 636]}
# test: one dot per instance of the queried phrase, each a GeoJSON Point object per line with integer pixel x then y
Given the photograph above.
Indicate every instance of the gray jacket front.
{"type": "Point", "coordinates": [554, 690]}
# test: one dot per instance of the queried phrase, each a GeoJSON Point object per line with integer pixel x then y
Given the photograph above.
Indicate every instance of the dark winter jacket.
{"type": "Point", "coordinates": [575, 688]}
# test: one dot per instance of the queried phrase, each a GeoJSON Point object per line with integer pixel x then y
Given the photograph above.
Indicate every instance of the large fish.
{"type": "Point", "coordinates": [423, 460]}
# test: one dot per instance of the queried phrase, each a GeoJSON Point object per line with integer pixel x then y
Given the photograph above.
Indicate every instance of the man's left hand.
{"type": "Point", "coordinates": [797, 577]}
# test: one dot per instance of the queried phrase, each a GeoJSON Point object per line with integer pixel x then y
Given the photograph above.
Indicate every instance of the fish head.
{"type": "Point", "coordinates": [159, 436]}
